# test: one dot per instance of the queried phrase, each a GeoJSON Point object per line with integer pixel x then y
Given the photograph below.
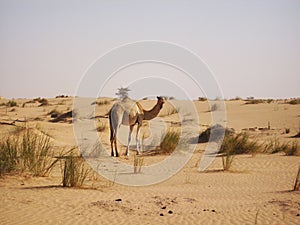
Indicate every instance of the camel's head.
{"type": "Point", "coordinates": [160, 101]}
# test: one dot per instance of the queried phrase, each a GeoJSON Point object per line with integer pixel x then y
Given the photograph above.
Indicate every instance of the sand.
{"type": "Point", "coordinates": [257, 190]}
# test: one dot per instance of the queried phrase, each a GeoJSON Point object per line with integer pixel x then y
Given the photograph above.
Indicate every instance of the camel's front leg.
{"type": "Point", "coordinates": [129, 139]}
{"type": "Point", "coordinates": [137, 138]}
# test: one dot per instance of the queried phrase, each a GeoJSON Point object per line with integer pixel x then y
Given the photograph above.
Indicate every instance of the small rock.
{"type": "Point", "coordinates": [170, 212]}
{"type": "Point", "coordinates": [204, 210]}
{"type": "Point", "coordinates": [164, 207]}
{"type": "Point", "coordinates": [161, 214]}
{"type": "Point", "coordinates": [298, 214]}
{"type": "Point", "coordinates": [118, 200]}
{"type": "Point", "coordinates": [213, 210]}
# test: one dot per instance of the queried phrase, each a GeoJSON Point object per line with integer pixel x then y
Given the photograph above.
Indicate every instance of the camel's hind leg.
{"type": "Point", "coordinates": [114, 124]}
{"type": "Point", "coordinates": [129, 139]}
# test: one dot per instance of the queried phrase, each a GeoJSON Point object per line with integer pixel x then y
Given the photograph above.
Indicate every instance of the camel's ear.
{"type": "Point", "coordinates": [158, 97]}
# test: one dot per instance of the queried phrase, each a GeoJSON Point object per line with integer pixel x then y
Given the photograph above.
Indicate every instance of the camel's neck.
{"type": "Point", "coordinates": [149, 115]}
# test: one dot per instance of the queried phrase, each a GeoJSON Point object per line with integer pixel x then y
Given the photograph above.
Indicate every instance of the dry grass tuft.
{"type": "Point", "coordinates": [26, 151]}
{"type": "Point", "coordinates": [74, 171]}
{"type": "Point", "coordinates": [138, 163]}
{"type": "Point", "coordinates": [169, 141]}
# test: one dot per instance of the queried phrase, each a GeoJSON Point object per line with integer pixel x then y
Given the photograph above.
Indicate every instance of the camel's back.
{"type": "Point", "coordinates": [128, 109]}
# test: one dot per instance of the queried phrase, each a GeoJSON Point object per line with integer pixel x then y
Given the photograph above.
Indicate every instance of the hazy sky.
{"type": "Point", "coordinates": [252, 47]}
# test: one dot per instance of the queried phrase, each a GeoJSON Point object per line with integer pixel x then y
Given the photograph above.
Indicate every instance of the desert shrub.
{"type": "Point", "coordinates": [292, 149]}
{"type": "Point", "coordinates": [61, 96]}
{"type": "Point", "coordinates": [294, 101]}
{"type": "Point", "coordinates": [214, 107]}
{"type": "Point", "coordinates": [202, 99]}
{"type": "Point", "coordinates": [9, 154]}
{"type": "Point", "coordinates": [275, 146]}
{"type": "Point", "coordinates": [103, 102]}
{"type": "Point", "coordinates": [227, 160]}
{"type": "Point", "coordinates": [218, 130]}
{"type": "Point", "coordinates": [254, 101]}
{"type": "Point", "coordinates": [11, 104]}
{"type": "Point", "coordinates": [63, 117]}
{"type": "Point", "coordinates": [239, 144]}
{"type": "Point", "coordinates": [169, 141]}
{"type": "Point", "coordinates": [74, 171]}
{"type": "Point", "coordinates": [36, 153]}
{"type": "Point", "coordinates": [101, 127]}
{"type": "Point", "coordinates": [43, 101]}
{"type": "Point", "coordinates": [54, 113]}
{"type": "Point", "coordinates": [26, 151]}
{"type": "Point", "coordinates": [237, 98]}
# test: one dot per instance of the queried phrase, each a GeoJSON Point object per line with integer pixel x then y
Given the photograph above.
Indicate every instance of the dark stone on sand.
{"type": "Point", "coordinates": [161, 214]}
{"type": "Point", "coordinates": [213, 210]}
{"type": "Point", "coordinates": [164, 207]}
{"type": "Point", "coordinates": [118, 200]}
{"type": "Point", "coordinates": [170, 212]}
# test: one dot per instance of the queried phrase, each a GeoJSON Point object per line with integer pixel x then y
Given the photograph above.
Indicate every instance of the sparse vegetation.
{"type": "Point", "coordinates": [11, 103]}
{"type": "Point", "coordinates": [36, 153]}
{"type": "Point", "coordinates": [123, 92]}
{"type": "Point", "coordinates": [227, 160]}
{"type": "Point", "coordinates": [63, 117]}
{"type": "Point", "coordinates": [26, 151]}
{"type": "Point", "coordinates": [170, 111]}
{"type": "Point", "coordinates": [169, 141]}
{"type": "Point", "coordinates": [292, 149]}
{"type": "Point", "coordinates": [54, 113]}
{"type": "Point", "coordinates": [74, 171]}
{"type": "Point", "coordinates": [103, 102]}
{"type": "Point", "coordinates": [239, 144]}
{"type": "Point", "coordinates": [138, 162]}
{"type": "Point", "coordinates": [218, 130]}
{"type": "Point", "coordinates": [254, 101]}
{"type": "Point", "coordinates": [61, 96]}
{"type": "Point", "coordinates": [295, 101]}
{"type": "Point", "coordinates": [214, 107]}
{"type": "Point", "coordinates": [9, 160]}
{"type": "Point", "coordinates": [101, 127]}
{"type": "Point", "coordinates": [275, 146]}
{"type": "Point", "coordinates": [43, 102]}
{"type": "Point", "coordinates": [202, 99]}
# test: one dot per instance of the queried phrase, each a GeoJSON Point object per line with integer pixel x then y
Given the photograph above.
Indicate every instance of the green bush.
{"type": "Point", "coordinates": [11, 104]}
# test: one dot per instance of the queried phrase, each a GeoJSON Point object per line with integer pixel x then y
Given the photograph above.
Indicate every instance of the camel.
{"type": "Point", "coordinates": [128, 112]}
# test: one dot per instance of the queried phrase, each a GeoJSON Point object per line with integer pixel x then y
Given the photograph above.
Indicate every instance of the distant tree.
{"type": "Point", "coordinates": [123, 92]}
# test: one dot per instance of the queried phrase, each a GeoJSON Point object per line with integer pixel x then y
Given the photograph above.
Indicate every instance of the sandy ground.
{"type": "Point", "coordinates": [257, 190]}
